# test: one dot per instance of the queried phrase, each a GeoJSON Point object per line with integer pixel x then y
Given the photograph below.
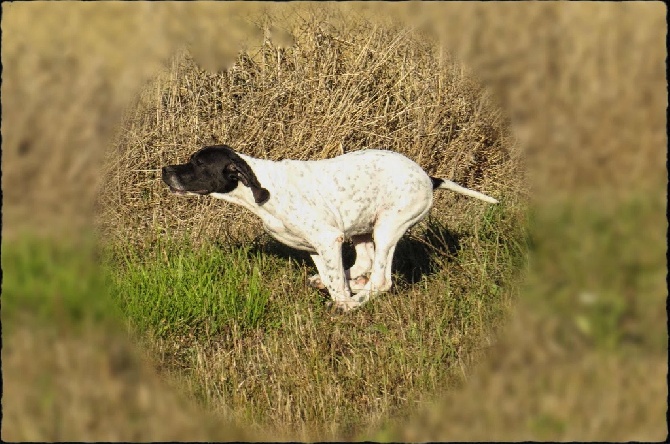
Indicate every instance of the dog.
{"type": "Point", "coordinates": [371, 197]}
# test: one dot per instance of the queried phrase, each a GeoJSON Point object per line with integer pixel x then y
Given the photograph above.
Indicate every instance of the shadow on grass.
{"type": "Point", "coordinates": [416, 255]}
{"type": "Point", "coordinates": [419, 255]}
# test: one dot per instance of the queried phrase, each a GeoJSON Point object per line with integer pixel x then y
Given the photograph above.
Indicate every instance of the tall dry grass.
{"type": "Point", "coordinates": [584, 84]}
{"type": "Point", "coordinates": [338, 88]}
{"type": "Point", "coordinates": [586, 101]}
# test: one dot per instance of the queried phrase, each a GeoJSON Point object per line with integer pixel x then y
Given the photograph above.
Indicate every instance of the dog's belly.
{"type": "Point", "coordinates": [286, 237]}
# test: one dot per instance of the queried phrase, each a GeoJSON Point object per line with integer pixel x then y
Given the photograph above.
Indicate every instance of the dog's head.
{"type": "Point", "coordinates": [213, 169]}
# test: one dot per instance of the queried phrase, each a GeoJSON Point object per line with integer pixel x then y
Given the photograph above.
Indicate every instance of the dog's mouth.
{"type": "Point", "coordinates": [180, 192]}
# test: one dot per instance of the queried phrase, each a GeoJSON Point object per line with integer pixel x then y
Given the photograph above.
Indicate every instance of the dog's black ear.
{"type": "Point", "coordinates": [242, 172]}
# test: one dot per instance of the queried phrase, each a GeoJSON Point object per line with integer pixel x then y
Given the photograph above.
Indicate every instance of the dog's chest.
{"type": "Point", "coordinates": [288, 236]}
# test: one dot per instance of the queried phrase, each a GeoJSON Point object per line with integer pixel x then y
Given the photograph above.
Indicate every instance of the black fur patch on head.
{"type": "Point", "coordinates": [214, 169]}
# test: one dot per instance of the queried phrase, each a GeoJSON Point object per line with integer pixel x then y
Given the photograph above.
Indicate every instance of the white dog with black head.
{"type": "Point", "coordinates": [371, 197]}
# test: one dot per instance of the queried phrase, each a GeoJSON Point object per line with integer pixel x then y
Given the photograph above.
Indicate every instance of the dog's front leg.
{"type": "Point", "coordinates": [328, 261]}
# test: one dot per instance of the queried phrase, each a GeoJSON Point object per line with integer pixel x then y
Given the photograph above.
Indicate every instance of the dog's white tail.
{"type": "Point", "coordinates": [449, 185]}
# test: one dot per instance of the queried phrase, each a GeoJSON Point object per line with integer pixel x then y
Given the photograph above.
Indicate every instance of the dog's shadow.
{"type": "Point", "coordinates": [416, 255]}
{"type": "Point", "coordinates": [419, 255]}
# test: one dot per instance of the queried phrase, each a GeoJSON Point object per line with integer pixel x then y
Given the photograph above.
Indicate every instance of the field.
{"type": "Point", "coordinates": [131, 314]}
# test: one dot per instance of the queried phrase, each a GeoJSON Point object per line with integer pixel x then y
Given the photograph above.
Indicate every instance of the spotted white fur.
{"type": "Point", "coordinates": [370, 197]}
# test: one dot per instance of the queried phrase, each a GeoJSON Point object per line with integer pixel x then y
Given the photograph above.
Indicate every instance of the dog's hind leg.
{"type": "Point", "coordinates": [387, 233]}
{"type": "Point", "coordinates": [365, 253]}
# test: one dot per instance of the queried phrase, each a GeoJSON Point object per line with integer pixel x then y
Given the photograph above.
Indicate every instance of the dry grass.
{"type": "Point", "coordinates": [309, 375]}
{"type": "Point", "coordinates": [560, 391]}
{"type": "Point", "coordinates": [110, 396]}
{"type": "Point", "coordinates": [584, 83]}
{"type": "Point", "coordinates": [337, 89]}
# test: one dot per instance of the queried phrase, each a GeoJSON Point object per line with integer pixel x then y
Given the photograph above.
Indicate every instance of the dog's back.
{"type": "Point", "coordinates": [356, 187]}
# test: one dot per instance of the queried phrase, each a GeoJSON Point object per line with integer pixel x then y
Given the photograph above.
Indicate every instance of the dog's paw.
{"type": "Point", "coordinates": [341, 307]}
{"type": "Point", "coordinates": [315, 282]}
{"type": "Point", "coordinates": [358, 284]}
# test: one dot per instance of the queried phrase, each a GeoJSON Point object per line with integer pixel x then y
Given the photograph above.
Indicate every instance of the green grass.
{"type": "Point", "coordinates": [177, 288]}
{"type": "Point", "coordinates": [54, 281]}
{"type": "Point", "coordinates": [600, 264]}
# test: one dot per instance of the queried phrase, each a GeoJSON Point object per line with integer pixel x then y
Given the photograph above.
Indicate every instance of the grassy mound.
{"type": "Point", "coordinates": [333, 91]}
{"type": "Point", "coordinates": [228, 306]}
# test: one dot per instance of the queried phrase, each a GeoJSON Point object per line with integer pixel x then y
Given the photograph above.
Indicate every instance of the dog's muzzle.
{"type": "Point", "coordinates": [171, 179]}
{"type": "Point", "coordinates": [169, 176]}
